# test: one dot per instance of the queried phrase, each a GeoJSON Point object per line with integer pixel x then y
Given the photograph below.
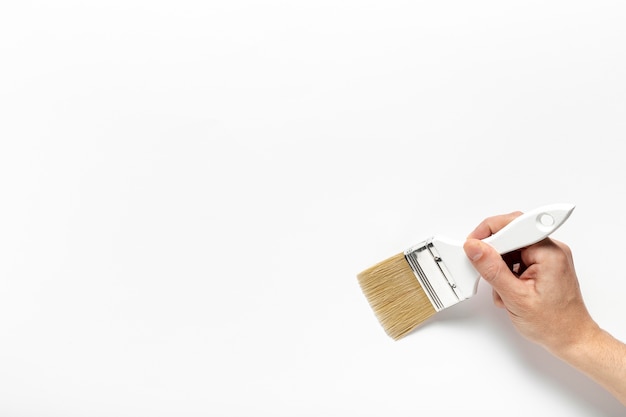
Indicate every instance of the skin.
{"type": "Point", "coordinates": [543, 300]}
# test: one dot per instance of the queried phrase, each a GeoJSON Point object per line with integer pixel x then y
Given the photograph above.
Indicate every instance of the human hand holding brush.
{"type": "Point", "coordinates": [539, 289]}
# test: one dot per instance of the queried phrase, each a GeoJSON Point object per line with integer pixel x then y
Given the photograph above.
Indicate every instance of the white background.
{"type": "Point", "coordinates": [189, 188]}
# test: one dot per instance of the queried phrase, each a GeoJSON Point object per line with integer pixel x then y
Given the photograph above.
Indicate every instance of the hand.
{"type": "Point", "coordinates": [542, 296]}
{"type": "Point", "coordinates": [543, 299]}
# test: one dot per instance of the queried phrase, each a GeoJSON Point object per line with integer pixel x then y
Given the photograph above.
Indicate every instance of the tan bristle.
{"type": "Point", "coordinates": [396, 296]}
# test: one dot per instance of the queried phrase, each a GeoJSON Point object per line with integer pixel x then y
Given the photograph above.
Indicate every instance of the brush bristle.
{"type": "Point", "coordinates": [396, 296]}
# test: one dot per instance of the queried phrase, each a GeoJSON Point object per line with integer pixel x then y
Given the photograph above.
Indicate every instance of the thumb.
{"type": "Point", "coordinates": [489, 263]}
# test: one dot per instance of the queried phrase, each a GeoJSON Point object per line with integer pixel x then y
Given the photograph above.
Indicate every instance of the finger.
{"type": "Point", "coordinates": [491, 225]}
{"type": "Point", "coordinates": [492, 267]}
{"type": "Point", "coordinates": [543, 250]}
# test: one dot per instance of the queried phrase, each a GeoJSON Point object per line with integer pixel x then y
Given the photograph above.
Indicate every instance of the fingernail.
{"type": "Point", "coordinates": [473, 251]}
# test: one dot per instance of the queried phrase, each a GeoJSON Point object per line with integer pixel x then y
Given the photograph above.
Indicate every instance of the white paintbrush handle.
{"type": "Point", "coordinates": [530, 227]}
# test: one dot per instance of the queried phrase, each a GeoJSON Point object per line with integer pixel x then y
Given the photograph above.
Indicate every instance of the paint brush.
{"type": "Point", "coordinates": [410, 287]}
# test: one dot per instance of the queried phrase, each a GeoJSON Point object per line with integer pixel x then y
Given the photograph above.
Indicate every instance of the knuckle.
{"type": "Point", "coordinates": [564, 254]}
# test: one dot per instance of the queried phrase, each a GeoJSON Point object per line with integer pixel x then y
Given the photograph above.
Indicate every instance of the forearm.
{"type": "Point", "coordinates": [601, 357]}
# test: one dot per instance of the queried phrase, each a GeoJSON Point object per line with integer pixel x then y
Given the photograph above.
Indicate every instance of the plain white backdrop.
{"type": "Point", "coordinates": [189, 188]}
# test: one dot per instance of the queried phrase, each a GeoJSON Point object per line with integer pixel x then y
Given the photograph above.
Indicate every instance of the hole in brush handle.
{"type": "Point", "coordinates": [546, 220]}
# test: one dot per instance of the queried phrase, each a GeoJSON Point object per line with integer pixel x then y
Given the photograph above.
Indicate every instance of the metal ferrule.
{"type": "Point", "coordinates": [433, 275]}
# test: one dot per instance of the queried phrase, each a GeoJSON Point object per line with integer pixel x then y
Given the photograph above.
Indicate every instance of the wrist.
{"type": "Point", "coordinates": [580, 344]}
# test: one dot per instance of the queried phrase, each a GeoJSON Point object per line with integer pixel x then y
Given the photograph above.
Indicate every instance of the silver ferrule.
{"type": "Point", "coordinates": [433, 275]}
